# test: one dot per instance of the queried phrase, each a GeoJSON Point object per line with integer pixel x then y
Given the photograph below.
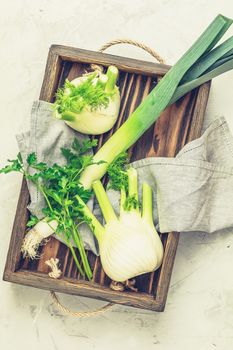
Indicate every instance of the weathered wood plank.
{"type": "Point", "coordinates": [82, 288]}
{"type": "Point", "coordinates": [20, 221]}
{"type": "Point", "coordinates": [123, 63]}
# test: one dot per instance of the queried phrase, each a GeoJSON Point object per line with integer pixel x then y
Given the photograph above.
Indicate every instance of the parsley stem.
{"type": "Point", "coordinates": [79, 244]}
{"type": "Point", "coordinates": [72, 251]}
{"type": "Point", "coordinates": [75, 257]}
{"type": "Point", "coordinates": [77, 174]}
{"type": "Point", "coordinates": [45, 196]}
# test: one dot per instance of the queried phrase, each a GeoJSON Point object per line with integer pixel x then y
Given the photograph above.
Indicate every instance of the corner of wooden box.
{"type": "Point", "coordinates": [7, 275]}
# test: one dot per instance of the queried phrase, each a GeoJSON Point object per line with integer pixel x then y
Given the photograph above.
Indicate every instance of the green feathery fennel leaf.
{"type": "Point", "coordinates": [86, 94]}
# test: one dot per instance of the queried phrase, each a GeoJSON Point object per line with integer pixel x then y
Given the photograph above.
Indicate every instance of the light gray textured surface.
{"type": "Point", "coordinates": [200, 301]}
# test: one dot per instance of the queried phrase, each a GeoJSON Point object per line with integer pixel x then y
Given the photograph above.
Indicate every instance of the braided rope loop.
{"type": "Point", "coordinates": [66, 310]}
{"type": "Point", "coordinates": [136, 43]}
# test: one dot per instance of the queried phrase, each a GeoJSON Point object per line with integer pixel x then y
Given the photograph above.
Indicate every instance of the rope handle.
{"type": "Point", "coordinates": [53, 263]}
{"type": "Point", "coordinates": [66, 310]}
{"type": "Point", "coordinates": [117, 286]}
{"type": "Point", "coordinates": [136, 43]}
{"type": "Point", "coordinates": [56, 273]}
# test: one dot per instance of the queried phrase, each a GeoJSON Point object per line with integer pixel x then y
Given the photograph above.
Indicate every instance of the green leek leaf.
{"type": "Point", "coordinates": [208, 60]}
{"type": "Point", "coordinates": [185, 88]}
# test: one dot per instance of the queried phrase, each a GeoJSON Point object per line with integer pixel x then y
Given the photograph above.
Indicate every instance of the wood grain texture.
{"type": "Point", "coordinates": [21, 217]}
{"type": "Point", "coordinates": [52, 70]}
{"type": "Point", "coordinates": [178, 124]}
{"type": "Point", "coordinates": [123, 63]}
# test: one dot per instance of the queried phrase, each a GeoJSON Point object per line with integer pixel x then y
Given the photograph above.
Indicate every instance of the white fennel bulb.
{"type": "Point", "coordinates": [139, 245]}
{"type": "Point", "coordinates": [129, 244]}
{"type": "Point", "coordinates": [90, 104]}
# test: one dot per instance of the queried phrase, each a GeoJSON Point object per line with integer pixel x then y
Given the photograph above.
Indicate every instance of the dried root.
{"type": "Point", "coordinates": [55, 271]}
{"type": "Point", "coordinates": [36, 237]}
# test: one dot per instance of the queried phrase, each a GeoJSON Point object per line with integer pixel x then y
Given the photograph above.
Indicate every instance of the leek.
{"type": "Point", "coordinates": [149, 110]}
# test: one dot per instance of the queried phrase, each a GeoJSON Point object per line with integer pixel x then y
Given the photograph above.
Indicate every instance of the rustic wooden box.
{"type": "Point", "coordinates": [180, 123]}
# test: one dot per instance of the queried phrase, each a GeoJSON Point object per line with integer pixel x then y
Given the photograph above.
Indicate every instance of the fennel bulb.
{"type": "Point", "coordinates": [129, 244]}
{"type": "Point", "coordinates": [130, 247]}
{"type": "Point", "coordinates": [90, 104]}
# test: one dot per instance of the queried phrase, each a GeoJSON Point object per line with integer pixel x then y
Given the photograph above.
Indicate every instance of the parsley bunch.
{"type": "Point", "coordinates": [60, 186]}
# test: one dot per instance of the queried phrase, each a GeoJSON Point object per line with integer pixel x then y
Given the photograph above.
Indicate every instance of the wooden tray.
{"type": "Point", "coordinates": [180, 123]}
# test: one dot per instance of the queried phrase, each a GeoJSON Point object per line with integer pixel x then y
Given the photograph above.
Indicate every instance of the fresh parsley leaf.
{"type": "Point", "coordinates": [39, 166]}
{"type": "Point", "coordinates": [85, 146]}
{"type": "Point", "coordinates": [86, 161]}
{"type": "Point", "coordinates": [67, 153]}
{"type": "Point", "coordinates": [117, 174]}
{"type": "Point", "coordinates": [32, 221]}
{"type": "Point", "coordinates": [15, 165]}
{"type": "Point", "coordinates": [32, 159]}
{"type": "Point", "coordinates": [54, 195]}
{"type": "Point", "coordinates": [19, 157]}
{"type": "Point", "coordinates": [63, 182]}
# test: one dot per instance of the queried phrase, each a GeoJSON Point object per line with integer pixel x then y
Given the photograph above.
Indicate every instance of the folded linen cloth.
{"type": "Point", "coordinates": [194, 189]}
{"type": "Point", "coordinates": [192, 192]}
